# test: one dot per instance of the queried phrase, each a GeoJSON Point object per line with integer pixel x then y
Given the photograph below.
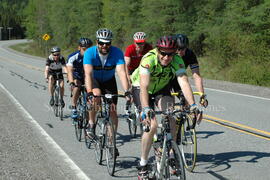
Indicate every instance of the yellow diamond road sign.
{"type": "Point", "coordinates": [46, 37]}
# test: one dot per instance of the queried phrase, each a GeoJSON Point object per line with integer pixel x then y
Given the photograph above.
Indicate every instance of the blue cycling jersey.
{"type": "Point", "coordinates": [106, 72]}
{"type": "Point", "coordinates": [75, 60]}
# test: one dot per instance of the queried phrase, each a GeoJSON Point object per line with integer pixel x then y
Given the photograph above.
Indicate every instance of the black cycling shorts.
{"type": "Point", "coordinates": [61, 77]}
{"type": "Point", "coordinates": [165, 94]}
{"type": "Point", "coordinates": [107, 87]}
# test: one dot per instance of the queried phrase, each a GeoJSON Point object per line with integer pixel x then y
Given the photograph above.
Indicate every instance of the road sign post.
{"type": "Point", "coordinates": [46, 37]}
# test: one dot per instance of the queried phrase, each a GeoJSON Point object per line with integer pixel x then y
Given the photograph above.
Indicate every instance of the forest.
{"type": "Point", "coordinates": [230, 37]}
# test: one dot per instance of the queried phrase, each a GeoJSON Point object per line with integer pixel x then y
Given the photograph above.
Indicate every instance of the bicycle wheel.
{"type": "Point", "coordinates": [99, 141]}
{"type": "Point", "coordinates": [132, 126]}
{"type": "Point", "coordinates": [110, 147]}
{"type": "Point", "coordinates": [176, 164]}
{"type": "Point", "coordinates": [56, 97]}
{"type": "Point", "coordinates": [78, 123]}
{"type": "Point", "coordinates": [188, 143]}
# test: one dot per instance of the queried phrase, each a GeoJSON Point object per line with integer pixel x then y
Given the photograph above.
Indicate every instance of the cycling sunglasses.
{"type": "Point", "coordinates": [56, 54]}
{"type": "Point", "coordinates": [166, 54]}
{"type": "Point", "coordinates": [140, 44]}
{"type": "Point", "coordinates": [102, 43]}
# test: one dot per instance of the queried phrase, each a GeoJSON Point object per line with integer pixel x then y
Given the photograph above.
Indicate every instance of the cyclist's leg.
{"type": "Point", "coordinates": [147, 138]}
{"type": "Point", "coordinates": [96, 104]}
{"type": "Point", "coordinates": [76, 93]}
{"type": "Point", "coordinates": [61, 80]}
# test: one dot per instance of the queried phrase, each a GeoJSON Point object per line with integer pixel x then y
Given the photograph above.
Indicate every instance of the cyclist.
{"type": "Point", "coordinates": [157, 68]}
{"type": "Point", "coordinates": [100, 63]}
{"type": "Point", "coordinates": [190, 61]}
{"type": "Point", "coordinates": [55, 63]}
{"type": "Point", "coordinates": [135, 52]}
{"type": "Point", "coordinates": [76, 73]}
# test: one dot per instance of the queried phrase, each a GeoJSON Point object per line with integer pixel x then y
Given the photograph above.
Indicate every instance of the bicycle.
{"type": "Point", "coordinates": [105, 135]}
{"type": "Point", "coordinates": [186, 132]}
{"type": "Point", "coordinates": [57, 107]}
{"type": "Point", "coordinates": [168, 157]}
{"type": "Point", "coordinates": [133, 119]}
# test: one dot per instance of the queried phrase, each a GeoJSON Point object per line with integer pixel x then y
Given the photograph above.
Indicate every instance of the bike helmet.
{"type": "Point", "coordinates": [85, 42]}
{"type": "Point", "coordinates": [182, 41]}
{"type": "Point", "coordinates": [55, 49]}
{"type": "Point", "coordinates": [104, 35]}
{"type": "Point", "coordinates": [139, 37]}
{"type": "Point", "coordinates": [167, 42]}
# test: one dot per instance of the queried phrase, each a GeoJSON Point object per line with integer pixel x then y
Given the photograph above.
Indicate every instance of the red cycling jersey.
{"type": "Point", "coordinates": [135, 58]}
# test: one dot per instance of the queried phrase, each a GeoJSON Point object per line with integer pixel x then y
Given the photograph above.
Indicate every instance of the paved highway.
{"type": "Point", "coordinates": [233, 139]}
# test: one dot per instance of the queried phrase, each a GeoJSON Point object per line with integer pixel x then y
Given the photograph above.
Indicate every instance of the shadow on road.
{"type": "Point", "coordinates": [224, 161]}
{"type": "Point", "coordinates": [207, 134]}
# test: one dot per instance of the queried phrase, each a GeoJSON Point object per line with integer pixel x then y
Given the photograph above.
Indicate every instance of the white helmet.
{"type": "Point", "coordinates": [104, 35]}
{"type": "Point", "coordinates": [139, 37]}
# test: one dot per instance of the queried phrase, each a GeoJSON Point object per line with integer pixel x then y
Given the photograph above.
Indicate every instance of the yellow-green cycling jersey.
{"type": "Point", "coordinates": [160, 75]}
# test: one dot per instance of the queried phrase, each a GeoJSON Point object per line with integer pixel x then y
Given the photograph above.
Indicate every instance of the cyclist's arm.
{"type": "Point", "coordinates": [70, 73]}
{"type": "Point", "coordinates": [127, 60]}
{"type": "Point", "coordinates": [122, 74]}
{"type": "Point", "coordinates": [186, 89]}
{"type": "Point", "coordinates": [64, 67]}
{"type": "Point", "coordinates": [144, 83]}
{"type": "Point", "coordinates": [88, 72]}
{"type": "Point", "coordinates": [46, 72]}
{"type": "Point", "coordinates": [197, 79]}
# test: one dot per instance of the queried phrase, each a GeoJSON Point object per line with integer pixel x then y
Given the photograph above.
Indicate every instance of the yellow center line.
{"type": "Point", "coordinates": [234, 128]}
{"type": "Point", "coordinates": [237, 124]}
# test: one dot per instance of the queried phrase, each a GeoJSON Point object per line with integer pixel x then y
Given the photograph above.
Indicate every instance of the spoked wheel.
{"type": "Point", "coordinates": [188, 144]}
{"type": "Point", "coordinates": [110, 147]}
{"type": "Point", "coordinates": [99, 142]}
{"type": "Point", "coordinates": [132, 126]}
{"type": "Point", "coordinates": [176, 165]}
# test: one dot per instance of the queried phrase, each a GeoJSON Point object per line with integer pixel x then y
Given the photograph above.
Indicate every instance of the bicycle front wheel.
{"type": "Point", "coordinates": [188, 144]}
{"type": "Point", "coordinates": [177, 170]}
{"type": "Point", "coordinates": [99, 141]}
{"type": "Point", "coordinates": [56, 100]}
{"type": "Point", "coordinates": [110, 147]}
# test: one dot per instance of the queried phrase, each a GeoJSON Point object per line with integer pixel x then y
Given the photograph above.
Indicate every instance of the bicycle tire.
{"type": "Point", "coordinates": [56, 98]}
{"type": "Point", "coordinates": [99, 142]}
{"type": "Point", "coordinates": [178, 165]}
{"type": "Point", "coordinates": [132, 126]}
{"type": "Point", "coordinates": [188, 143]}
{"type": "Point", "coordinates": [79, 121]}
{"type": "Point", "coordinates": [110, 147]}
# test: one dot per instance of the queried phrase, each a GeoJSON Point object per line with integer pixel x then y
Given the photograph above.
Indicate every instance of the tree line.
{"type": "Point", "coordinates": [231, 36]}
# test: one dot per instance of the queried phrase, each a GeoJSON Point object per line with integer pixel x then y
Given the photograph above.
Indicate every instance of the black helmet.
{"type": "Point", "coordinates": [55, 49]}
{"type": "Point", "coordinates": [85, 42]}
{"type": "Point", "coordinates": [182, 41]}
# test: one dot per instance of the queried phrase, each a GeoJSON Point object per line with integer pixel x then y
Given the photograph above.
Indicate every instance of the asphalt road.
{"type": "Point", "coordinates": [233, 139]}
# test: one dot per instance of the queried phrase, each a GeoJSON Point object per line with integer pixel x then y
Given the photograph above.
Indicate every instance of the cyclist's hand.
{"type": "Point", "coordinates": [203, 101]}
{"type": "Point", "coordinates": [72, 85]}
{"type": "Point", "coordinates": [128, 95]}
{"type": "Point", "coordinates": [196, 112]}
{"type": "Point", "coordinates": [90, 97]}
{"type": "Point", "coordinates": [146, 115]}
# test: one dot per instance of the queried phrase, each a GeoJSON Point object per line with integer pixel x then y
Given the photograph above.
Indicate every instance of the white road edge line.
{"type": "Point", "coordinates": [229, 92]}
{"type": "Point", "coordinates": [80, 174]}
